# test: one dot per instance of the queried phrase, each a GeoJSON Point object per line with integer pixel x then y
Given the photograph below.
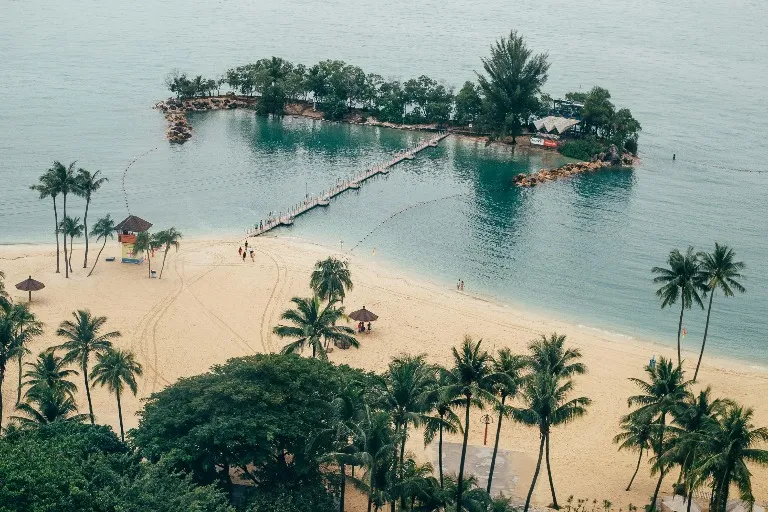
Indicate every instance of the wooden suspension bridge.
{"type": "Point", "coordinates": [287, 217]}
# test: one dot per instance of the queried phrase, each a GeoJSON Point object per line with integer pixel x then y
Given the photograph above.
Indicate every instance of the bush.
{"type": "Point", "coordinates": [583, 149]}
{"type": "Point", "coordinates": [631, 146]}
{"type": "Point", "coordinates": [304, 498]}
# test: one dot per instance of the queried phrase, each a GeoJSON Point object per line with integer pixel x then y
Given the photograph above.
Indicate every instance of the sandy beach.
{"type": "Point", "coordinates": [210, 306]}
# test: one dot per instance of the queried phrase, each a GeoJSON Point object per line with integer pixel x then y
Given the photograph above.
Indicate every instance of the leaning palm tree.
{"type": "Point", "coordinates": [167, 239]}
{"type": "Point", "coordinates": [720, 272]}
{"type": "Point", "coordinates": [546, 406]}
{"type": "Point", "coordinates": [726, 453]}
{"type": "Point", "coordinates": [331, 279]}
{"type": "Point", "coordinates": [147, 244]}
{"type": "Point", "coordinates": [47, 186]}
{"type": "Point", "coordinates": [49, 370]}
{"type": "Point", "coordinates": [66, 183]}
{"type": "Point", "coordinates": [509, 369]}
{"type": "Point", "coordinates": [26, 328]}
{"type": "Point", "coordinates": [48, 405]}
{"type": "Point", "coordinates": [661, 395]}
{"type": "Point", "coordinates": [637, 435]}
{"type": "Point", "coordinates": [440, 417]}
{"type": "Point", "coordinates": [104, 228]}
{"type": "Point", "coordinates": [314, 326]}
{"type": "Point", "coordinates": [471, 378]}
{"type": "Point", "coordinates": [117, 369]}
{"type": "Point", "coordinates": [683, 280]}
{"type": "Point", "coordinates": [72, 228]}
{"type": "Point", "coordinates": [84, 337]}
{"type": "Point", "coordinates": [86, 185]}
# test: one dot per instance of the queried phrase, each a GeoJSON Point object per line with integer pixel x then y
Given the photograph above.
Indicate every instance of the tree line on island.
{"type": "Point", "coordinates": [503, 100]}
{"type": "Point", "coordinates": [298, 430]}
{"type": "Point", "coordinates": [61, 181]}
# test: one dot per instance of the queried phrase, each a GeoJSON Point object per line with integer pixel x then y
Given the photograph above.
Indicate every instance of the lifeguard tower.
{"type": "Point", "coordinates": [126, 235]}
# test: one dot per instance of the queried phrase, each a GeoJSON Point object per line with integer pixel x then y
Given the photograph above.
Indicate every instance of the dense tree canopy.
{"type": "Point", "coordinates": [72, 466]}
{"type": "Point", "coordinates": [255, 414]}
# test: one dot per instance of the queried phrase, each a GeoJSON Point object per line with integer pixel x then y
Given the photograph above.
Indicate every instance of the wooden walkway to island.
{"type": "Point", "coordinates": [287, 217]}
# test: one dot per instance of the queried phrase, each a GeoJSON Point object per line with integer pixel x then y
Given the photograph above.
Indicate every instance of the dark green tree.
{"type": "Point", "coordinates": [683, 280]}
{"type": "Point", "coordinates": [314, 326]}
{"type": "Point", "coordinates": [165, 240]}
{"type": "Point", "coordinates": [72, 228]}
{"type": "Point", "coordinates": [719, 271]}
{"type": "Point", "coordinates": [64, 181]}
{"type": "Point", "coordinates": [469, 105]}
{"type": "Point", "coordinates": [103, 229]}
{"type": "Point", "coordinates": [87, 184]}
{"type": "Point", "coordinates": [45, 405]}
{"type": "Point", "coordinates": [117, 369]}
{"type": "Point", "coordinates": [514, 79]}
{"type": "Point", "coordinates": [331, 279]}
{"type": "Point", "coordinates": [84, 337]}
{"type": "Point", "coordinates": [48, 186]}
{"type": "Point", "coordinates": [441, 417]}
{"type": "Point", "coordinates": [50, 371]}
{"type": "Point", "coordinates": [637, 434]}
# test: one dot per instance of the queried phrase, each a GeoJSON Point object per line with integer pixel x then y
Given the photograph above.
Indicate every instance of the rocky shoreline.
{"type": "Point", "coordinates": [175, 112]}
{"type": "Point", "coordinates": [609, 160]}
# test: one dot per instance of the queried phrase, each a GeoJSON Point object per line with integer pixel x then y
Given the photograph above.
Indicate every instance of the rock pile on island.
{"type": "Point", "coordinates": [610, 159]}
{"type": "Point", "coordinates": [175, 112]}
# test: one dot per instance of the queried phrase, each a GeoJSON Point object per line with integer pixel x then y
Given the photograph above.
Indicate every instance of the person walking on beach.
{"type": "Point", "coordinates": [251, 251]}
{"type": "Point", "coordinates": [246, 245]}
{"type": "Point", "coordinates": [462, 286]}
{"type": "Point", "coordinates": [240, 250]}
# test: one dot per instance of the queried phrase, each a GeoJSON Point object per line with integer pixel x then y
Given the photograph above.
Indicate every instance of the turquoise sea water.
{"type": "Point", "coordinates": [79, 79]}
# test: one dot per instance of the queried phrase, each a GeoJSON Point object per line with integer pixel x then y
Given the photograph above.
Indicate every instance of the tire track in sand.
{"type": "Point", "coordinates": [275, 296]}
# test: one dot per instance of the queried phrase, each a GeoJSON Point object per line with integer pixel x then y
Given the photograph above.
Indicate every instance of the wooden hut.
{"type": "Point", "coordinates": [126, 235]}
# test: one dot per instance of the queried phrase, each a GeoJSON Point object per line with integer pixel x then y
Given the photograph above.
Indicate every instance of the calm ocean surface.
{"type": "Point", "coordinates": [79, 79]}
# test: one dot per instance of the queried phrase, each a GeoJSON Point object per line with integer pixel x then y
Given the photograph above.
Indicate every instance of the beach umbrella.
{"type": "Point", "coordinates": [363, 315]}
{"type": "Point", "coordinates": [30, 285]}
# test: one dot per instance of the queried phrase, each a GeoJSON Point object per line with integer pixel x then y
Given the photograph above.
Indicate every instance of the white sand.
{"type": "Point", "coordinates": [210, 306]}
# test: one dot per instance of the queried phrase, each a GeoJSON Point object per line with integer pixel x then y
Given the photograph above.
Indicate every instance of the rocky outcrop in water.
{"type": "Point", "coordinates": [175, 112]}
{"type": "Point", "coordinates": [609, 160]}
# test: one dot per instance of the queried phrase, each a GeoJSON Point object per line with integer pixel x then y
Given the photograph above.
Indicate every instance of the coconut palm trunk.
{"type": "Point", "coordinates": [18, 391]}
{"type": "Point", "coordinates": [120, 416]}
{"type": "Point", "coordinates": [535, 476]}
{"type": "Point", "coordinates": [66, 265]}
{"type": "Point", "coordinates": [496, 444]}
{"type": "Point", "coordinates": [549, 474]}
{"type": "Point", "coordinates": [87, 389]}
{"type": "Point", "coordinates": [343, 485]}
{"type": "Point", "coordinates": [149, 264]}
{"type": "Point", "coordinates": [639, 460]}
{"type": "Point", "coordinates": [2, 378]}
{"type": "Point", "coordinates": [704, 341]}
{"type": "Point", "coordinates": [85, 226]}
{"type": "Point", "coordinates": [165, 255]}
{"type": "Point", "coordinates": [440, 452]}
{"type": "Point", "coordinates": [661, 450]}
{"type": "Point", "coordinates": [679, 332]}
{"type": "Point", "coordinates": [56, 230]}
{"type": "Point", "coordinates": [463, 454]}
{"type": "Point", "coordinates": [97, 256]}
{"type": "Point", "coordinates": [71, 244]}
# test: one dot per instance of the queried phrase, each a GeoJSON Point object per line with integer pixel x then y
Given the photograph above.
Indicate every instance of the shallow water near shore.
{"type": "Point", "coordinates": [580, 248]}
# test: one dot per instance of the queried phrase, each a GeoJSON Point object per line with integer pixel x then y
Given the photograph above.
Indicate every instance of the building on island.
{"type": "Point", "coordinates": [126, 235]}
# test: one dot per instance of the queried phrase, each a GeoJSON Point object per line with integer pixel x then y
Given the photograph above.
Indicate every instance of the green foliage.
{"type": "Point", "coordinates": [184, 87]}
{"type": "Point", "coordinates": [314, 326]}
{"type": "Point", "coordinates": [583, 149]}
{"type": "Point", "coordinates": [71, 466]}
{"type": "Point", "coordinates": [260, 414]}
{"type": "Point", "coordinates": [303, 498]}
{"type": "Point", "coordinates": [331, 279]}
{"type": "Point", "coordinates": [576, 97]}
{"type": "Point", "coordinates": [601, 119]}
{"type": "Point", "coordinates": [514, 79]}
{"type": "Point", "coordinates": [469, 104]}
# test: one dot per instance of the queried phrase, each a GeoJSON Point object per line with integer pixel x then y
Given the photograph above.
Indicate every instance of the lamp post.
{"type": "Point", "coordinates": [486, 418]}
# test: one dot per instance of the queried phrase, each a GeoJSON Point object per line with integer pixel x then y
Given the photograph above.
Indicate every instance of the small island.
{"type": "Point", "coordinates": [505, 105]}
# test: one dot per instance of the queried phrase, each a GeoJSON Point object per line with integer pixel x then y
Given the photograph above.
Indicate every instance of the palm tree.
{"type": "Point", "coordinates": [87, 184]}
{"type": "Point", "coordinates": [314, 325]}
{"type": "Point", "coordinates": [442, 418]}
{"type": "Point", "coordinates": [376, 441]}
{"type": "Point", "coordinates": [70, 227]}
{"type": "Point", "coordinates": [547, 406]}
{"type": "Point", "coordinates": [49, 370]}
{"type": "Point", "coordinates": [508, 368]}
{"type": "Point", "coordinates": [719, 271]}
{"type": "Point", "coordinates": [84, 337]}
{"type": "Point", "coordinates": [637, 435]}
{"type": "Point", "coordinates": [4, 298]}
{"type": "Point", "coordinates": [7, 345]}
{"type": "Point", "coordinates": [146, 243]}
{"type": "Point", "coordinates": [26, 327]}
{"type": "Point", "coordinates": [331, 279]}
{"type": "Point", "coordinates": [471, 379]}
{"type": "Point", "coordinates": [116, 369]}
{"type": "Point", "coordinates": [665, 390]}
{"type": "Point", "coordinates": [549, 356]}
{"type": "Point", "coordinates": [168, 238]}
{"type": "Point", "coordinates": [104, 228]}
{"type": "Point", "coordinates": [48, 187]}
{"type": "Point", "coordinates": [682, 280]}
{"type": "Point", "coordinates": [65, 182]}
{"type": "Point", "coordinates": [48, 405]}
{"type": "Point", "coordinates": [694, 419]}
{"type": "Point", "coordinates": [725, 453]}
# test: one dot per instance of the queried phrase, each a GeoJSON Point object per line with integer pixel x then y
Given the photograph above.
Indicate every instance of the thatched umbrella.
{"type": "Point", "coordinates": [30, 285]}
{"type": "Point", "coordinates": [363, 315]}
